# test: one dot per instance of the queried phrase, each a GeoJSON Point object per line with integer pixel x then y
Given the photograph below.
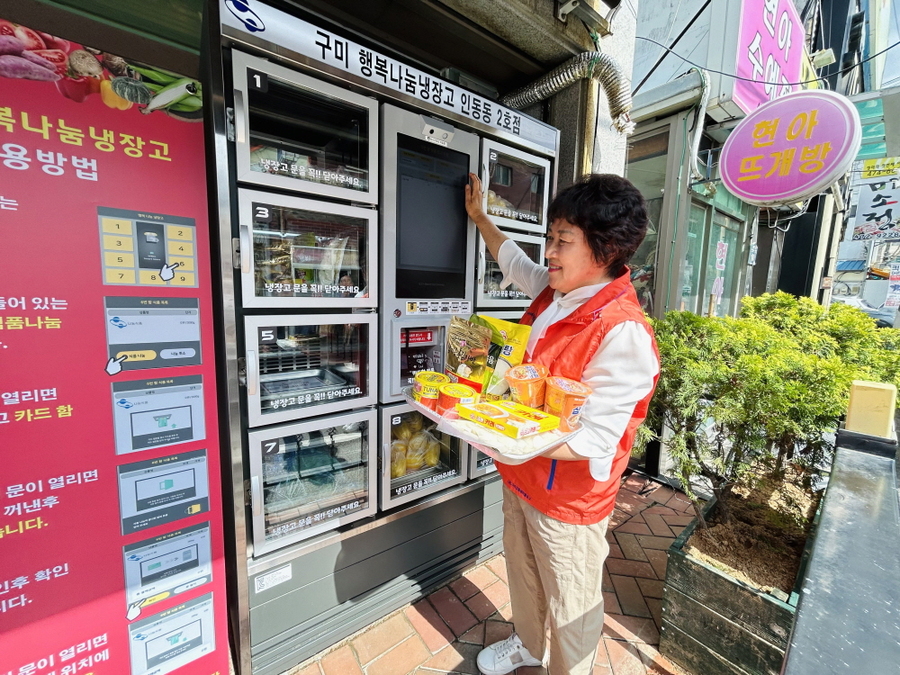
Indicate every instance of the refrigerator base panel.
{"type": "Point", "coordinates": [334, 590]}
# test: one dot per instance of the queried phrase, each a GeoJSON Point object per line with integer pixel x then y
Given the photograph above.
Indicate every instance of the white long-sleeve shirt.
{"type": "Point", "coordinates": [620, 373]}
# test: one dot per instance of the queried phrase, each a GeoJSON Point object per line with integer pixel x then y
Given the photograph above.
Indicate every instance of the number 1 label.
{"type": "Point", "coordinates": [258, 81]}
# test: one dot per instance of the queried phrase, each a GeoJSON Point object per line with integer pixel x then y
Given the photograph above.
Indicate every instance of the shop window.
{"type": "Point", "coordinates": [502, 175]}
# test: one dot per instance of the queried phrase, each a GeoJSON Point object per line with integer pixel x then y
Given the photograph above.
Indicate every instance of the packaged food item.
{"type": "Point", "coordinates": [415, 451]}
{"type": "Point", "coordinates": [565, 398]}
{"type": "Point", "coordinates": [433, 452]}
{"type": "Point", "coordinates": [526, 383]}
{"type": "Point", "coordinates": [398, 459]}
{"type": "Point", "coordinates": [467, 352]}
{"type": "Point", "coordinates": [509, 418]}
{"type": "Point", "coordinates": [402, 432]}
{"type": "Point", "coordinates": [425, 401]}
{"type": "Point", "coordinates": [426, 383]}
{"type": "Point", "coordinates": [451, 394]}
{"type": "Point", "coordinates": [494, 348]}
{"type": "Point", "coordinates": [508, 344]}
{"type": "Point", "coordinates": [415, 421]}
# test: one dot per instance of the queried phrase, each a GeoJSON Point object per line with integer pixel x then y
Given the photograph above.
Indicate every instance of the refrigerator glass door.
{"type": "Point", "coordinates": [416, 459]}
{"type": "Point", "coordinates": [305, 253]}
{"type": "Point", "coordinates": [295, 132]}
{"type": "Point", "coordinates": [311, 477]}
{"type": "Point", "coordinates": [299, 366]}
{"type": "Point", "coordinates": [491, 292]}
{"type": "Point", "coordinates": [414, 346]}
{"type": "Point", "coordinates": [516, 187]}
{"type": "Point", "coordinates": [479, 463]}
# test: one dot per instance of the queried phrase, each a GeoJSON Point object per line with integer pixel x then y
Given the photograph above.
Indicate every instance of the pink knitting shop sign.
{"type": "Point", "coordinates": [770, 51]}
{"type": "Point", "coordinates": [792, 148]}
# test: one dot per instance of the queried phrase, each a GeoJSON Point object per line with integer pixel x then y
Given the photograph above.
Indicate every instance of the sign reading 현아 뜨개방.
{"type": "Point", "coordinates": [790, 149]}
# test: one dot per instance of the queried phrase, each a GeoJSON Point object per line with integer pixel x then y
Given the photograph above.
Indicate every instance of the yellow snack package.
{"type": "Point", "coordinates": [508, 418]}
{"type": "Point", "coordinates": [512, 341]}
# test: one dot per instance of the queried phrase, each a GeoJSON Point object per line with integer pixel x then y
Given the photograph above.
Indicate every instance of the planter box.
{"type": "Point", "coordinates": [713, 624]}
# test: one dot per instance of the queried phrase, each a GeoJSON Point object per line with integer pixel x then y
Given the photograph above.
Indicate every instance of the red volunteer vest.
{"type": "Point", "coordinates": [565, 490]}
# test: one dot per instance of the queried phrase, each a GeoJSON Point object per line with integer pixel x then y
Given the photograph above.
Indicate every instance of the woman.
{"type": "Point", "coordinates": [587, 325]}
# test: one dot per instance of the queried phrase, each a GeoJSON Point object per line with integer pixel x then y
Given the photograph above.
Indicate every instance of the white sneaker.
{"type": "Point", "coordinates": [505, 656]}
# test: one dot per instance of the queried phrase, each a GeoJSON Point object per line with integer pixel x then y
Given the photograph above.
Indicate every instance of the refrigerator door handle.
{"type": "Point", "coordinates": [256, 496]}
{"type": "Point", "coordinates": [252, 374]}
{"type": "Point", "coordinates": [240, 126]}
{"type": "Point", "coordinates": [481, 264]}
{"type": "Point", "coordinates": [245, 245]}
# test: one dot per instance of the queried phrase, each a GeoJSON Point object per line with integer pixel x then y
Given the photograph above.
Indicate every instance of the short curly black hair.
{"type": "Point", "coordinates": [610, 211]}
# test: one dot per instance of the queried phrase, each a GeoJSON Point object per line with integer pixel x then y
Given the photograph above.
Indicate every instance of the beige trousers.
{"type": "Point", "coordinates": [555, 577]}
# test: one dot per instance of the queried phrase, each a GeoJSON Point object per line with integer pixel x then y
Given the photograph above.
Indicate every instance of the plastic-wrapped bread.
{"type": "Point", "coordinates": [415, 451]}
{"type": "Point", "coordinates": [432, 452]}
{"type": "Point", "coordinates": [398, 459]}
{"type": "Point", "coordinates": [403, 432]}
{"type": "Point", "coordinates": [415, 422]}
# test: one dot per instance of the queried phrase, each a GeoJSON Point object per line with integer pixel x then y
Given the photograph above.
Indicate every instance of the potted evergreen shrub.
{"type": "Point", "coordinates": [745, 403]}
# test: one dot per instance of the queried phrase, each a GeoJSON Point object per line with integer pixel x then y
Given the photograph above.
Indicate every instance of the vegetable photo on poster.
{"type": "Point", "coordinates": [79, 71]}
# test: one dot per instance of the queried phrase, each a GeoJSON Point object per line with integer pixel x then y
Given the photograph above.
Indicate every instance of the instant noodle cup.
{"type": "Point", "coordinates": [526, 383]}
{"type": "Point", "coordinates": [451, 394]}
{"type": "Point", "coordinates": [565, 398]}
{"type": "Point", "coordinates": [426, 383]}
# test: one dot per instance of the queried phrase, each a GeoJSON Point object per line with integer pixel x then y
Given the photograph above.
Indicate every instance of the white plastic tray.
{"type": "Point", "coordinates": [502, 448]}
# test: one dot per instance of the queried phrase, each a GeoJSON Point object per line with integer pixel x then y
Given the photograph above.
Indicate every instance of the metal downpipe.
{"type": "Point", "coordinates": [594, 65]}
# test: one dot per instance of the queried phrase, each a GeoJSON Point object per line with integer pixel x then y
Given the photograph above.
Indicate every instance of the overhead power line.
{"type": "Point", "coordinates": [747, 79]}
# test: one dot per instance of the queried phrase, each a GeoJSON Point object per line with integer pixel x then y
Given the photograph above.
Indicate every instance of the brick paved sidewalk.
{"type": "Point", "coordinates": [444, 632]}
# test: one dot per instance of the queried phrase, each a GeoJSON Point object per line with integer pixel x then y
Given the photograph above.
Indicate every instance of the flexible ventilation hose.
{"type": "Point", "coordinates": [596, 65]}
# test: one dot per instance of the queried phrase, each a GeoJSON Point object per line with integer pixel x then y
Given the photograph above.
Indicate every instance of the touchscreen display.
{"type": "Point", "coordinates": [431, 220]}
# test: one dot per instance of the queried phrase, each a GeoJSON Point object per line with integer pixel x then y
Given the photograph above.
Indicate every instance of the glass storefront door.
{"type": "Point", "coordinates": [722, 265]}
{"type": "Point", "coordinates": [692, 270]}
{"type": "Point", "coordinates": [713, 262]}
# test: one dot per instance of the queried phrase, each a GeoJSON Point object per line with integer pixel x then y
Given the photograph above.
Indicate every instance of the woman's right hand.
{"type": "Point", "coordinates": [474, 198]}
{"type": "Point", "coordinates": [493, 237]}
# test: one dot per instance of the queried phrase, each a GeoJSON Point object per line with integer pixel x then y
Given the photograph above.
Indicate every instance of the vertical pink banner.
{"type": "Point", "coordinates": [111, 536]}
{"type": "Point", "coordinates": [770, 51]}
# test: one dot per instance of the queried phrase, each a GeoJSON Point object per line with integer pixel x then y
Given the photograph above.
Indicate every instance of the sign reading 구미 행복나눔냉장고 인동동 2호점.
{"type": "Point", "coordinates": [258, 23]}
{"type": "Point", "coordinates": [790, 149]}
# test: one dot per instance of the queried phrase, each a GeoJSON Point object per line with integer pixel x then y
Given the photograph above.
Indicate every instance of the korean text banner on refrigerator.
{"type": "Point", "coordinates": [111, 543]}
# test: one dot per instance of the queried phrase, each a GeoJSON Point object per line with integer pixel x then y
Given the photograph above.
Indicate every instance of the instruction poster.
{"type": "Point", "coordinates": [111, 542]}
